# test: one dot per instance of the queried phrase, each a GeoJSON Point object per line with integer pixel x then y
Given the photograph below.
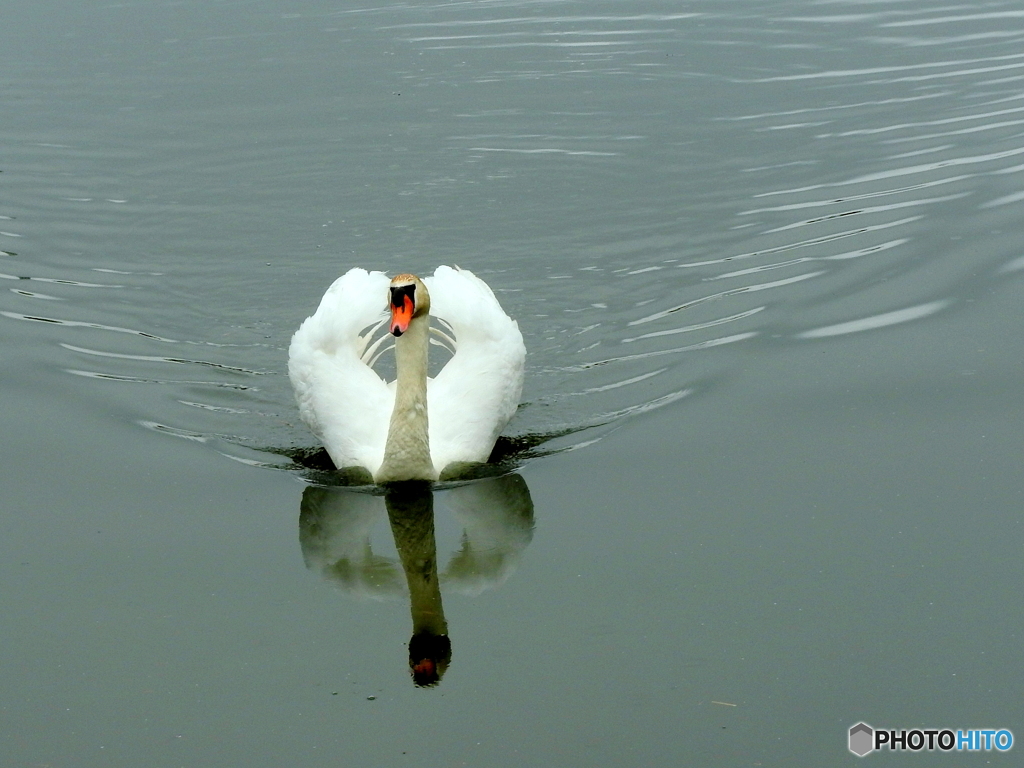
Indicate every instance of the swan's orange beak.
{"type": "Point", "coordinates": [401, 315]}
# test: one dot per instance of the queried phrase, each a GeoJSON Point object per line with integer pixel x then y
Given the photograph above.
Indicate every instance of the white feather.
{"type": "Point", "coordinates": [348, 405]}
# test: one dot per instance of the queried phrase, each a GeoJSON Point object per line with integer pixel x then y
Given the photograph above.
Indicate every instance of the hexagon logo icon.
{"type": "Point", "coordinates": [862, 738]}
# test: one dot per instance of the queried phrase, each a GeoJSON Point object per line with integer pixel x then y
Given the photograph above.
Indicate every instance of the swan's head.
{"type": "Point", "coordinates": [429, 657]}
{"type": "Point", "coordinates": [409, 299]}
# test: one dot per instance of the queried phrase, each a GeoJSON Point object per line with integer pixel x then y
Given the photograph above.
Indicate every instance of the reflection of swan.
{"type": "Point", "coordinates": [337, 524]}
{"type": "Point", "coordinates": [497, 521]}
{"type": "Point", "coordinates": [415, 427]}
{"type": "Point", "coordinates": [335, 531]}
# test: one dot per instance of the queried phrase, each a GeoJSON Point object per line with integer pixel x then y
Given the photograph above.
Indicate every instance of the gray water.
{"type": "Point", "coordinates": [767, 262]}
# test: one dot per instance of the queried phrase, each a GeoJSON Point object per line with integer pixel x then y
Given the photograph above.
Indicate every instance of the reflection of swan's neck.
{"type": "Point", "coordinates": [411, 514]}
{"type": "Point", "coordinates": [413, 527]}
{"type": "Point", "coordinates": [407, 451]}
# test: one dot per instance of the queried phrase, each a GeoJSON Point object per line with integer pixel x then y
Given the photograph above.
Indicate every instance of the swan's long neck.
{"type": "Point", "coordinates": [407, 451]}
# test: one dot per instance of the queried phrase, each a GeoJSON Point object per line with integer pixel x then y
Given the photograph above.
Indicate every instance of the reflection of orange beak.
{"type": "Point", "coordinates": [401, 316]}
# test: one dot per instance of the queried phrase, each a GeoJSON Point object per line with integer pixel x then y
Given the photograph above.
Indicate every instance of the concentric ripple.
{"type": "Point", "coordinates": [652, 192]}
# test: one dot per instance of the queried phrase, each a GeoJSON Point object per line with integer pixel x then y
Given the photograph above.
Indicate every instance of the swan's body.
{"type": "Point", "coordinates": [414, 427]}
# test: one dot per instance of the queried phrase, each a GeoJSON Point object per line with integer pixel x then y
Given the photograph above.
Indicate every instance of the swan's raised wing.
{"type": "Point", "coordinates": [477, 392]}
{"type": "Point", "coordinates": [344, 402]}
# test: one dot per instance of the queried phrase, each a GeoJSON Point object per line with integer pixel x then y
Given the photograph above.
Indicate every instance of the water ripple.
{"type": "Point", "coordinates": [160, 359]}
{"type": "Point", "coordinates": [956, 19]}
{"type": "Point", "coordinates": [164, 382]}
{"type": "Point", "coordinates": [80, 324]}
{"type": "Point", "coordinates": [883, 320]}
{"type": "Point", "coordinates": [842, 166]}
{"type": "Point", "coordinates": [60, 281]}
{"type": "Point", "coordinates": [859, 73]}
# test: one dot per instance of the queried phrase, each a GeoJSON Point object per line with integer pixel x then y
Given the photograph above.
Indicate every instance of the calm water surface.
{"type": "Point", "coordinates": [767, 262]}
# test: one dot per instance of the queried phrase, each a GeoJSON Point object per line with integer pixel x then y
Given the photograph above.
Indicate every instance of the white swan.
{"type": "Point", "coordinates": [414, 427]}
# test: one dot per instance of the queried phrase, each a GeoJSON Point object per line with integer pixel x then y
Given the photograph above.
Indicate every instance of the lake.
{"type": "Point", "coordinates": [766, 479]}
